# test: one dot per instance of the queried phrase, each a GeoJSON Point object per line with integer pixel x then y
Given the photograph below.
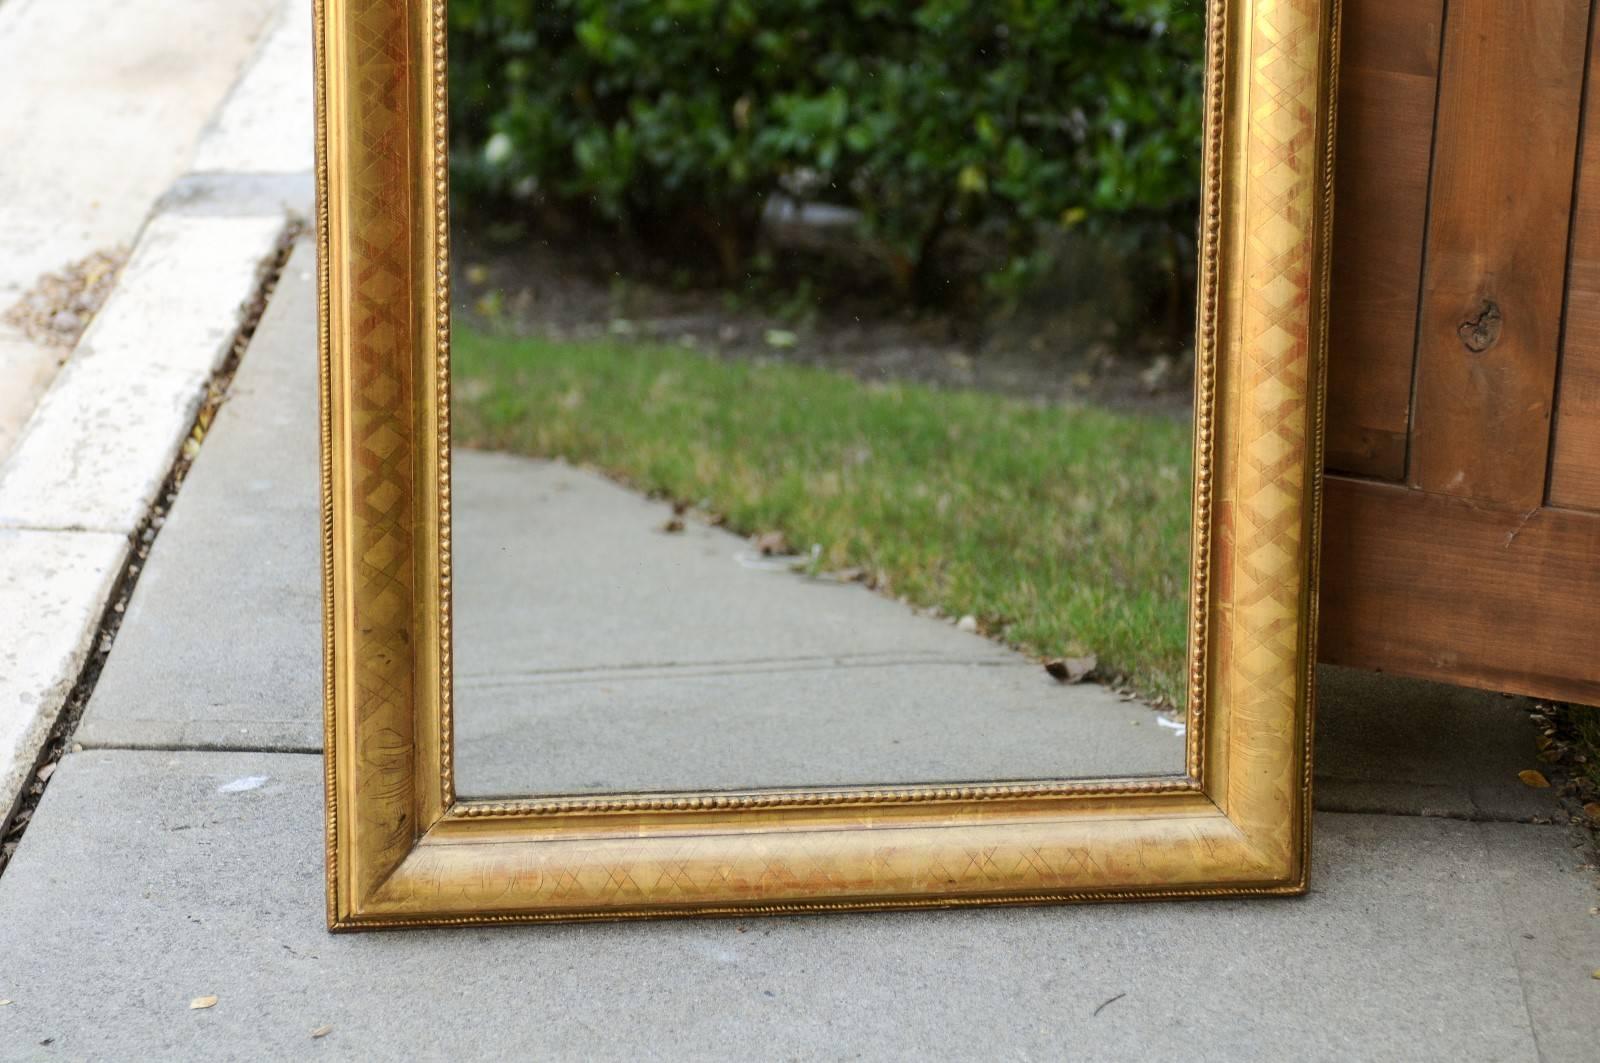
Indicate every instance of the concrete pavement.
{"type": "Point", "coordinates": [96, 137]}
{"type": "Point", "coordinates": [94, 133]}
{"type": "Point", "coordinates": [150, 878]}
{"type": "Point", "coordinates": [595, 653]}
{"type": "Point", "coordinates": [180, 855]}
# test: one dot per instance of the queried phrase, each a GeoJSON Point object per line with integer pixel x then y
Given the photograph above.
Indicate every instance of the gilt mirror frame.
{"type": "Point", "coordinates": [404, 850]}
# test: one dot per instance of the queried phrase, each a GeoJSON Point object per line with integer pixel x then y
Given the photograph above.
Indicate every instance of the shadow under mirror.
{"type": "Point", "coordinates": [821, 391]}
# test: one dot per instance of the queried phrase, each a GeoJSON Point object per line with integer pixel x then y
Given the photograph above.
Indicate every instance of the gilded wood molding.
{"type": "Point", "coordinates": [403, 851]}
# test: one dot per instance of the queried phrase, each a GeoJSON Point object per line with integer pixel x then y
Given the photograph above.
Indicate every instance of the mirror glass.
{"type": "Point", "coordinates": [822, 380]}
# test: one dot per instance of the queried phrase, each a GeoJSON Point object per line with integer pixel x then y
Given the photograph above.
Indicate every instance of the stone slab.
{"type": "Point", "coordinates": [829, 722]}
{"type": "Point", "coordinates": [98, 447]}
{"type": "Point", "coordinates": [237, 564]}
{"type": "Point", "coordinates": [53, 589]}
{"type": "Point", "coordinates": [595, 652]}
{"type": "Point", "coordinates": [184, 291]}
{"type": "Point", "coordinates": [104, 437]}
{"type": "Point", "coordinates": [559, 568]}
{"type": "Point", "coordinates": [151, 878]}
{"type": "Point", "coordinates": [1386, 744]}
{"type": "Point", "coordinates": [265, 126]}
{"type": "Point", "coordinates": [26, 369]}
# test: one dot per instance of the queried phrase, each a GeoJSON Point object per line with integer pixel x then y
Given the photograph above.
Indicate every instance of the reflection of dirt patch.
{"type": "Point", "coordinates": [592, 288]}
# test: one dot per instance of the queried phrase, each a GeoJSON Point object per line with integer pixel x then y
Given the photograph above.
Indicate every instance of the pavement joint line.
{"type": "Point", "coordinates": [1478, 816]}
{"type": "Point", "coordinates": [887, 656]}
{"type": "Point", "coordinates": [172, 747]}
{"type": "Point", "coordinates": [1510, 947]}
{"type": "Point", "coordinates": [19, 810]}
{"type": "Point", "coordinates": [625, 673]}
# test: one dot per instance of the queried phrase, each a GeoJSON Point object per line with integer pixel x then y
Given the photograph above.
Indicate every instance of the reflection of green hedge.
{"type": "Point", "coordinates": [1013, 117]}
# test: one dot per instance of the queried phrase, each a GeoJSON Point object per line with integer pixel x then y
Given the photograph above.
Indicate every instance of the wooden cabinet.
{"type": "Point", "coordinates": [1462, 526]}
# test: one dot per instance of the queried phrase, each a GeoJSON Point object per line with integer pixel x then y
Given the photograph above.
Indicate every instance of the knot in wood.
{"type": "Point", "coordinates": [1481, 332]}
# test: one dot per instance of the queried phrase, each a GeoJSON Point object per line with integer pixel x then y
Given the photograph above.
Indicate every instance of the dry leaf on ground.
{"type": "Point", "coordinates": [322, 1031]}
{"type": "Point", "coordinates": [1534, 779]}
{"type": "Point", "coordinates": [772, 543]}
{"type": "Point", "coordinates": [202, 1002]}
{"type": "Point", "coordinates": [1071, 669]}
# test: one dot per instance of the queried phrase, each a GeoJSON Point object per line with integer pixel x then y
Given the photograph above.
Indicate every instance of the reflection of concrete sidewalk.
{"type": "Point", "coordinates": [180, 855]}
{"type": "Point", "coordinates": [595, 653]}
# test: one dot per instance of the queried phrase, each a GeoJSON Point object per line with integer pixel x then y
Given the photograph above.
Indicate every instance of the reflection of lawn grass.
{"type": "Point", "coordinates": [1063, 530]}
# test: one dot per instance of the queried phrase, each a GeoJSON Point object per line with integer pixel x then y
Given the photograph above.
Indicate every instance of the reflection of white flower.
{"type": "Point", "coordinates": [497, 150]}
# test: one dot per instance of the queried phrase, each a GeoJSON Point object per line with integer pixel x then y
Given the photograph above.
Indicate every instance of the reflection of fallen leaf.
{"type": "Point", "coordinates": [1071, 669]}
{"type": "Point", "coordinates": [322, 1031]}
{"type": "Point", "coordinates": [202, 1002]}
{"type": "Point", "coordinates": [1534, 779]}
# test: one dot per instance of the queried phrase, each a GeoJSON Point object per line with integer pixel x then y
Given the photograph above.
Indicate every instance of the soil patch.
{"type": "Point", "coordinates": [820, 296]}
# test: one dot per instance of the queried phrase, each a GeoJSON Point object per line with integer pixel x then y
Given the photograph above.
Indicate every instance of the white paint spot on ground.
{"type": "Point", "coordinates": [243, 783]}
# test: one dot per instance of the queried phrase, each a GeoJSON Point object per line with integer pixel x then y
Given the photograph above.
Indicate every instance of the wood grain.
{"type": "Point", "coordinates": [1501, 194]}
{"type": "Point", "coordinates": [1387, 87]}
{"type": "Point", "coordinates": [1445, 588]}
{"type": "Point", "coordinates": [1575, 461]}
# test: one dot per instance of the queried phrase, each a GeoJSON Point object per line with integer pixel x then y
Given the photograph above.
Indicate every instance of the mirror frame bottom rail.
{"type": "Point", "coordinates": [402, 850]}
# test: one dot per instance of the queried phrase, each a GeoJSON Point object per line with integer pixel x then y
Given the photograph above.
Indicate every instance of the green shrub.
{"type": "Point", "coordinates": [1012, 119]}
